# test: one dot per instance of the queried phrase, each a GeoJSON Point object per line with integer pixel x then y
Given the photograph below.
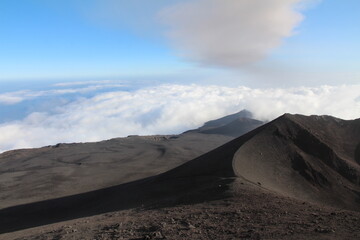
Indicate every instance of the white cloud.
{"type": "Point", "coordinates": [230, 33]}
{"type": "Point", "coordinates": [19, 96]}
{"type": "Point", "coordinates": [12, 97]}
{"type": "Point", "coordinates": [169, 109]}
{"type": "Point", "coordinates": [79, 83]}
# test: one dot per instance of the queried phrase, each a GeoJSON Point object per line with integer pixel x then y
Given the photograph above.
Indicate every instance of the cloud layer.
{"type": "Point", "coordinates": [16, 97]}
{"type": "Point", "coordinates": [169, 109]}
{"type": "Point", "coordinates": [230, 33]}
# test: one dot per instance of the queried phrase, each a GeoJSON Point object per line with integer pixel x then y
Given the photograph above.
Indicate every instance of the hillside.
{"type": "Point", "coordinates": [297, 165]}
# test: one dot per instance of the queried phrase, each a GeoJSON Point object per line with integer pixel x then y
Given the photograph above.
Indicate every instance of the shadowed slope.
{"type": "Point", "coordinates": [145, 193]}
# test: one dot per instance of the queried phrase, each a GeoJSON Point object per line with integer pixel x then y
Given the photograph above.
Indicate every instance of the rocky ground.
{"type": "Point", "coordinates": [252, 213]}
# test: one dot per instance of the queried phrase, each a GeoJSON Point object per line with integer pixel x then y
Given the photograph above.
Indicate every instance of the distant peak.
{"type": "Point", "coordinates": [245, 114]}
{"type": "Point", "coordinates": [229, 118]}
{"type": "Point", "coordinates": [233, 125]}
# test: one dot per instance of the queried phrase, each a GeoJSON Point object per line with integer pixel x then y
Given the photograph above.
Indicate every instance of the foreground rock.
{"type": "Point", "coordinates": [252, 214]}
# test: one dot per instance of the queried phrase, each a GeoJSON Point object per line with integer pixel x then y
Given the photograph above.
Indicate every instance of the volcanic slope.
{"type": "Point", "coordinates": [312, 159]}
{"type": "Point", "coordinates": [31, 175]}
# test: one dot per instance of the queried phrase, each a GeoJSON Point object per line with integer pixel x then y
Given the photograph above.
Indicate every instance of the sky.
{"type": "Point", "coordinates": [73, 39]}
{"type": "Point", "coordinates": [165, 66]}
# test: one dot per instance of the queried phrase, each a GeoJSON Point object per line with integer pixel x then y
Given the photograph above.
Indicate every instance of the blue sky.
{"type": "Point", "coordinates": [328, 37]}
{"type": "Point", "coordinates": [115, 39]}
{"type": "Point", "coordinates": [57, 40]}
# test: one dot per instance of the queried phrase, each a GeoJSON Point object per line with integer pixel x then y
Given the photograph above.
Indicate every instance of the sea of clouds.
{"type": "Point", "coordinates": [161, 109]}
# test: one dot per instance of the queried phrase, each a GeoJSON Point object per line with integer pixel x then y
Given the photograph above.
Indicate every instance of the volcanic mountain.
{"type": "Point", "coordinates": [311, 159]}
